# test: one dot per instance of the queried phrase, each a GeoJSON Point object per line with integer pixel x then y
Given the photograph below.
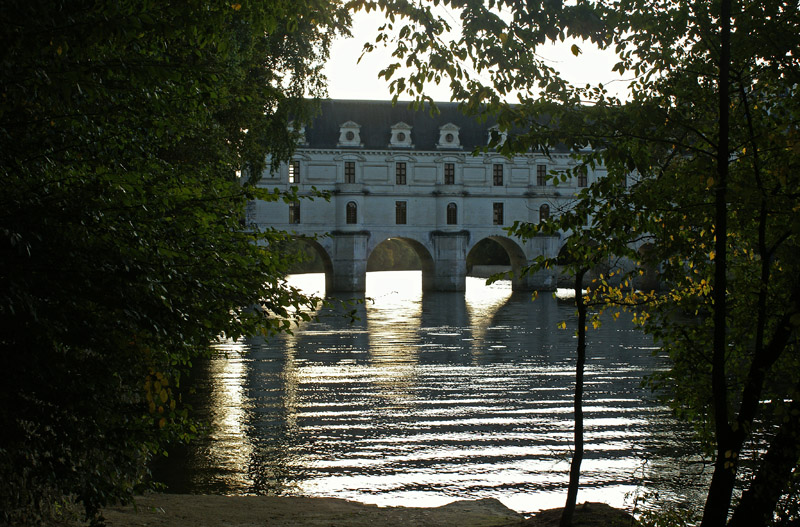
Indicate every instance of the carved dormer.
{"type": "Point", "coordinates": [350, 134]}
{"type": "Point", "coordinates": [300, 132]}
{"type": "Point", "coordinates": [496, 130]}
{"type": "Point", "coordinates": [401, 136]}
{"type": "Point", "coordinates": [448, 136]}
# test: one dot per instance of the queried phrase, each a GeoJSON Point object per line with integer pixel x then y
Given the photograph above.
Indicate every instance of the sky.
{"type": "Point", "coordinates": [349, 79]}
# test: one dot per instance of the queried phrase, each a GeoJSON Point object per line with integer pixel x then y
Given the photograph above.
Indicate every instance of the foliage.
{"type": "Point", "coordinates": [123, 247]}
{"type": "Point", "coordinates": [652, 510]}
{"type": "Point", "coordinates": [702, 183]}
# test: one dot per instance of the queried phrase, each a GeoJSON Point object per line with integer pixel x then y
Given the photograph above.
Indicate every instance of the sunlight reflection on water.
{"type": "Point", "coordinates": [434, 397]}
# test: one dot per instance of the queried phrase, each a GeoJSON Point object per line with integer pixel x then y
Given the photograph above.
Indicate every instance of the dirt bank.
{"type": "Point", "coordinates": [181, 510]}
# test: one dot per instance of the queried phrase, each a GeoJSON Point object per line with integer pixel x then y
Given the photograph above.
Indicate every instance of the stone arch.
{"type": "Point", "coordinates": [323, 254]}
{"type": "Point", "coordinates": [427, 264]}
{"type": "Point", "coordinates": [516, 256]}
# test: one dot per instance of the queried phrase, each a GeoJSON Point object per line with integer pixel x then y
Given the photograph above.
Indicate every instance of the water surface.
{"type": "Point", "coordinates": [434, 397]}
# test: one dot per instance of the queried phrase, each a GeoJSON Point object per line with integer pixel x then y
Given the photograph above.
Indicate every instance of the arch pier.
{"type": "Point", "coordinates": [443, 258]}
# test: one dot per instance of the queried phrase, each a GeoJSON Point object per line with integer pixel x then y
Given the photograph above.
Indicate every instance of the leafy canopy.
{"type": "Point", "coordinates": [701, 192]}
{"type": "Point", "coordinates": [123, 247]}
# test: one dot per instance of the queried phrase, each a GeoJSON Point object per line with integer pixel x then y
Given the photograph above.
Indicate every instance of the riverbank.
{"type": "Point", "coordinates": [180, 510]}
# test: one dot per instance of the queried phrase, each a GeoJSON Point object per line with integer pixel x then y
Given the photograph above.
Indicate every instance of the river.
{"type": "Point", "coordinates": [433, 397]}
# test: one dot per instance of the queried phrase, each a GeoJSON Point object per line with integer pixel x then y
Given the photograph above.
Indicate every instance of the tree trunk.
{"type": "Point", "coordinates": [758, 502]}
{"type": "Point", "coordinates": [719, 493]}
{"type": "Point", "coordinates": [577, 455]}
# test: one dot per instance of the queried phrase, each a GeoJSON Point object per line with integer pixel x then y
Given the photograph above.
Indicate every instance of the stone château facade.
{"type": "Point", "coordinates": [398, 173]}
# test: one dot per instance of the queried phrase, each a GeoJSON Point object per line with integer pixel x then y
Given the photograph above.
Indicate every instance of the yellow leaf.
{"type": "Point", "coordinates": [236, 7]}
{"type": "Point", "coordinates": [711, 255]}
{"type": "Point", "coordinates": [575, 50]}
{"type": "Point", "coordinates": [562, 325]}
{"type": "Point", "coordinates": [162, 423]}
{"type": "Point", "coordinates": [163, 396]}
{"type": "Point", "coordinates": [59, 50]}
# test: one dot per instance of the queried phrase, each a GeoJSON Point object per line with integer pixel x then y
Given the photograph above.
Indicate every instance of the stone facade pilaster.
{"type": "Point", "coordinates": [450, 257]}
{"type": "Point", "coordinates": [349, 261]}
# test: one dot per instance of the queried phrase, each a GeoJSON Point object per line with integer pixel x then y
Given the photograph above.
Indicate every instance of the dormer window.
{"type": "Point", "coordinates": [495, 130]}
{"type": "Point", "coordinates": [350, 134]}
{"type": "Point", "coordinates": [300, 132]}
{"type": "Point", "coordinates": [448, 136]}
{"type": "Point", "coordinates": [401, 136]}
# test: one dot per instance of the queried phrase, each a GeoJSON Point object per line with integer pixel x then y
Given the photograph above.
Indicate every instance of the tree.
{"type": "Point", "coordinates": [708, 140]}
{"type": "Point", "coordinates": [124, 248]}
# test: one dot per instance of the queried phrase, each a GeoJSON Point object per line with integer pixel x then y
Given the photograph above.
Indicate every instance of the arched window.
{"type": "Point", "coordinates": [352, 212]}
{"type": "Point", "coordinates": [452, 214]}
{"type": "Point", "coordinates": [544, 212]}
{"type": "Point", "coordinates": [294, 212]}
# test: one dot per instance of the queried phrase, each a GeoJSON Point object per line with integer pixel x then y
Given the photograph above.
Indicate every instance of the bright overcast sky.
{"type": "Point", "coordinates": [349, 79]}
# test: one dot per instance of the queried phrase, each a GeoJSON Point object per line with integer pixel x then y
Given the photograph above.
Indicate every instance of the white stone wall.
{"type": "Point", "coordinates": [375, 191]}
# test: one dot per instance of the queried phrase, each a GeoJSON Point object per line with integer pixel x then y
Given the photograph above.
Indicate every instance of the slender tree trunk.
{"type": "Point", "coordinates": [719, 493]}
{"type": "Point", "coordinates": [577, 455]}
{"type": "Point", "coordinates": [758, 502]}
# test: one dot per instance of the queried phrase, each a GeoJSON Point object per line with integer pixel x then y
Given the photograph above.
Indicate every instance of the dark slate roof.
{"type": "Point", "coordinates": [377, 117]}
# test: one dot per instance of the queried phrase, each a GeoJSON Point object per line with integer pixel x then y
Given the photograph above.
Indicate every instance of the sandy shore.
{"type": "Point", "coordinates": [181, 510]}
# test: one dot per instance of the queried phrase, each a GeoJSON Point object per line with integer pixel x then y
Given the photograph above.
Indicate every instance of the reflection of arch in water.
{"type": "Point", "coordinates": [516, 258]}
{"type": "Point", "coordinates": [393, 319]}
{"type": "Point", "coordinates": [445, 334]}
{"type": "Point", "coordinates": [286, 373]}
{"type": "Point", "coordinates": [229, 413]}
{"type": "Point", "coordinates": [482, 303]}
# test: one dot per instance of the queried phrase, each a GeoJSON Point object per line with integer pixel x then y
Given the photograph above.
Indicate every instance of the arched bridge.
{"type": "Point", "coordinates": [395, 173]}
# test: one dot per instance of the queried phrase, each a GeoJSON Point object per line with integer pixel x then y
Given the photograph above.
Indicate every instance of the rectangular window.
{"type": "Point", "coordinates": [583, 179]}
{"type": "Point", "coordinates": [294, 212]}
{"type": "Point", "coordinates": [449, 173]}
{"type": "Point", "coordinates": [541, 174]}
{"type": "Point", "coordinates": [400, 212]}
{"type": "Point", "coordinates": [294, 171]}
{"type": "Point", "coordinates": [349, 171]}
{"type": "Point", "coordinates": [497, 213]}
{"type": "Point", "coordinates": [497, 175]}
{"type": "Point", "coordinates": [400, 173]}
